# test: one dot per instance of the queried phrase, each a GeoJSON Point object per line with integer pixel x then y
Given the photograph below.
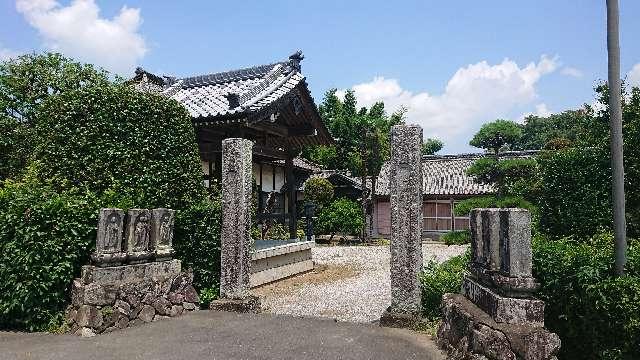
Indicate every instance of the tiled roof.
{"type": "Point", "coordinates": [301, 164]}
{"type": "Point", "coordinates": [239, 91]}
{"type": "Point", "coordinates": [447, 175]}
{"type": "Point", "coordinates": [345, 176]}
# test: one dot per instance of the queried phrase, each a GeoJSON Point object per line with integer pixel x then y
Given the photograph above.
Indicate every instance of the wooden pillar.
{"type": "Point", "coordinates": [291, 192]}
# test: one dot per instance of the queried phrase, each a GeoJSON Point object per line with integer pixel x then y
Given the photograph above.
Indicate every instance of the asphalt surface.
{"type": "Point", "coordinates": [221, 335]}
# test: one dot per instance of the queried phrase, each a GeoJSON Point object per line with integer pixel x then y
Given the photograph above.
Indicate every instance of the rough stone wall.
{"type": "Point", "coordinates": [104, 299]}
{"type": "Point", "coordinates": [406, 219]}
{"type": "Point", "coordinates": [236, 218]}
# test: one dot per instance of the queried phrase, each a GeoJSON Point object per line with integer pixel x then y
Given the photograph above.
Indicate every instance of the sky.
{"type": "Point", "coordinates": [453, 64]}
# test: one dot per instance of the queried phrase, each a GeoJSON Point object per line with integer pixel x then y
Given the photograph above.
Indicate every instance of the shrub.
{"type": "Point", "coordinates": [45, 237]}
{"type": "Point", "coordinates": [457, 237]}
{"type": "Point", "coordinates": [197, 244]}
{"type": "Point", "coordinates": [439, 279]}
{"type": "Point", "coordinates": [318, 191]}
{"type": "Point", "coordinates": [25, 83]}
{"type": "Point", "coordinates": [113, 137]}
{"type": "Point", "coordinates": [342, 216]}
{"type": "Point", "coordinates": [585, 301]}
{"type": "Point", "coordinates": [574, 196]}
{"type": "Point", "coordinates": [98, 146]}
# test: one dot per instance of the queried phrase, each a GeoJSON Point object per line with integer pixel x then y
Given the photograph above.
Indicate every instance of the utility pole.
{"type": "Point", "coordinates": [615, 117]}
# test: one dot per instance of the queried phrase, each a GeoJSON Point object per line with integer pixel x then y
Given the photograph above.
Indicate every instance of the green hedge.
{"type": "Point", "coordinates": [197, 244]}
{"type": "Point", "coordinates": [585, 301]}
{"type": "Point", "coordinates": [438, 279]}
{"type": "Point", "coordinates": [99, 146]}
{"type": "Point", "coordinates": [341, 216]}
{"type": "Point", "coordinates": [45, 237]}
{"type": "Point", "coordinates": [112, 137]}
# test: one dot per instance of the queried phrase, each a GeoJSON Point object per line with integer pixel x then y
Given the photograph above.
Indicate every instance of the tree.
{"type": "Point", "coordinates": [512, 178]}
{"type": "Point", "coordinates": [362, 140]}
{"type": "Point", "coordinates": [496, 135]}
{"type": "Point", "coordinates": [431, 146]}
{"type": "Point", "coordinates": [319, 191]}
{"type": "Point", "coordinates": [539, 132]}
{"type": "Point", "coordinates": [25, 83]}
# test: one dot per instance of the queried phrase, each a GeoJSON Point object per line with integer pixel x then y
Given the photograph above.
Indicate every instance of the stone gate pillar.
{"type": "Point", "coordinates": [235, 252]}
{"type": "Point", "coordinates": [406, 226]}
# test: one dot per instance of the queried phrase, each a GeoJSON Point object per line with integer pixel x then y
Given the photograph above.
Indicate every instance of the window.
{"type": "Point", "coordinates": [437, 215]}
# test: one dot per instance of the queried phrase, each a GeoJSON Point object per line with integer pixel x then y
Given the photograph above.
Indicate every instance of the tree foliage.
{"type": "Point", "coordinates": [26, 83]}
{"type": "Point", "coordinates": [431, 146]}
{"type": "Point", "coordinates": [497, 135]}
{"type": "Point", "coordinates": [362, 139]}
{"type": "Point", "coordinates": [342, 216]}
{"type": "Point", "coordinates": [319, 191]}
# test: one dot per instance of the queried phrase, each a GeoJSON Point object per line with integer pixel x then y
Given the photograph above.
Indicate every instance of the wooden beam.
{"type": "Point", "coordinates": [269, 152]}
{"type": "Point", "coordinates": [291, 190]}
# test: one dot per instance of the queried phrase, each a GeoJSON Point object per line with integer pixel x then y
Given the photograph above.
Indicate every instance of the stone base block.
{"type": "Point", "coordinates": [399, 320]}
{"type": "Point", "coordinates": [250, 304]}
{"type": "Point", "coordinates": [519, 287]}
{"type": "Point", "coordinates": [111, 298]}
{"type": "Point", "coordinates": [504, 309]}
{"type": "Point", "coordinates": [466, 332]}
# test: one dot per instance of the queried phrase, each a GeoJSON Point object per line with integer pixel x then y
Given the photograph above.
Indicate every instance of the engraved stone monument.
{"type": "Point", "coordinates": [497, 314]}
{"type": "Point", "coordinates": [109, 238]}
{"type": "Point", "coordinates": [406, 227]}
{"type": "Point", "coordinates": [138, 236]}
{"type": "Point", "coordinates": [162, 232]}
{"type": "Point", "coordinates": [236, 244]}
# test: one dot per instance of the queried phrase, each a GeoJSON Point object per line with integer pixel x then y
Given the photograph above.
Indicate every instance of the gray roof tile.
{"type": "Point", "coordinates": [447, 175]}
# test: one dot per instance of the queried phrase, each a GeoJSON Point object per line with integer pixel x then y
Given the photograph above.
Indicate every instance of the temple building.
{"type": "Point", "coordinates": [268, 104]}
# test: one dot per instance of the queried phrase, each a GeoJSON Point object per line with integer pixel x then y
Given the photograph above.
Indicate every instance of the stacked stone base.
{"type": "Point", "coordinates": [104, 299]}
{"type": "Point", "coordinates": [467, 332]}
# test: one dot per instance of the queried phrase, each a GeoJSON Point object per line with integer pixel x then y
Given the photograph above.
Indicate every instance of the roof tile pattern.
{"type": "Point", "coordinates": [205, 96]}
{"type": "Point", "coordinates": [446, 175]}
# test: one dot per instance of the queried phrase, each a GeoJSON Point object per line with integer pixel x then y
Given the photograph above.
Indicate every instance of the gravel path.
{"type": "Point", "coordinates": [349, 283]}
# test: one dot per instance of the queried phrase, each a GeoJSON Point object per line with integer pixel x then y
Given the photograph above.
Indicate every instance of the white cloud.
{"type": "Point", "coordinates": [77, 30]}
{"type": "Point", "coordinates": [474, 95]}
{"type": "Point", "coordinates": [634, 75]}
{"type": "Point", "coordinates": [541, 110]}
{"type": "Point", "coordinates": [571, 71]}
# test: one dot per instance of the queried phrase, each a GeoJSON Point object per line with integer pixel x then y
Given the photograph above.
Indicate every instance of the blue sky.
{"type": "Point", "coordinates": [454, 64]}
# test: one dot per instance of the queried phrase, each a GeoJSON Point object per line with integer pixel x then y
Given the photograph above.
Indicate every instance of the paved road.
{"type": "Point", "coordinates": [221, 335]}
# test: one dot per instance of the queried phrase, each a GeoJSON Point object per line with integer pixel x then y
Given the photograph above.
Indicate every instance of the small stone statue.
{"type": "Point", "coordinates": [109, 238]}
{"type": "Point", "coordinates": [141, 233]}
{"type": "Point", "coordinates": [162, 232]}
{"type": "Point", "coordinates": [139, 247]}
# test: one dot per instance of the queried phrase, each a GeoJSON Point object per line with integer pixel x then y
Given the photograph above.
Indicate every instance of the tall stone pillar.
{"type": "Point", "coordinates": [235, 254]}
{"type": "Point", "coordinates": [406, 227]}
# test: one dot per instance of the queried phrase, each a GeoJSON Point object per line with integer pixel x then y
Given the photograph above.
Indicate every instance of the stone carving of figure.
{"type": "Point", "coordinates": [112, 233]}
{"type": "Point", "coordinates": [166, 232]}
{"type": "Point", "coordinates": [141, 233]}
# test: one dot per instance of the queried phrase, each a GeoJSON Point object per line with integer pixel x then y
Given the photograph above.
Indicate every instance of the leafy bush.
{"type": "Point", "coordinates": [585, 301]}
{"type": "Point", "coordinates": [439, 279]}
{"type": "Point", "coordinates": [113, 137]}
{"type": "Point", "coordinates": [342, 216]}
{"type": "Point", "coordinates": [197, 244]}
{"type": "Point", "coordinates": [318, 191]}
{"type": "Point", "coordinates": [25, 83]}
{"type": "Point", "coordinates": [457, 237]}
{"type": "Point", "coordinates": [99, 146]}
{"type": "Point", "coordinates": [45, 237]}
{"type": "Point", "coordinates": [574, 196]}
